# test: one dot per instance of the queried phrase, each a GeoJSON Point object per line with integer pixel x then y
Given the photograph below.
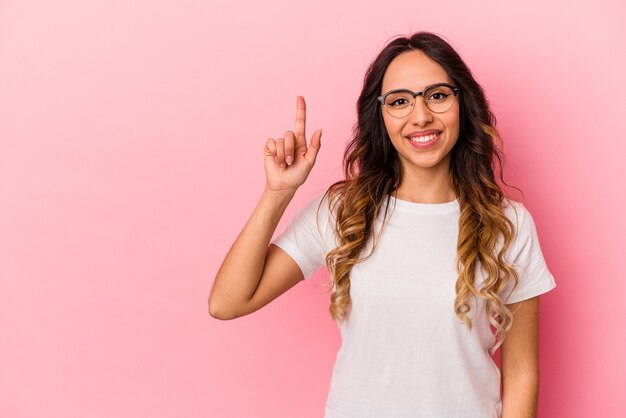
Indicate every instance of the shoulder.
{"type": "Point", "coordinates": [526, 239]}
{"type": "Point", "coordinates": [317, 212]}
{"type": "Point", "coordinates": [319, 202]}
{"type": "Point", "coordinates": [516, 212]}
{"type": "Point", "coordinates": [324, 203]}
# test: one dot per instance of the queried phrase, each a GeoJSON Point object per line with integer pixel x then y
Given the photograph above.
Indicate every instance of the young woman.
{"type": "Point", "coordinates": [429, 261]}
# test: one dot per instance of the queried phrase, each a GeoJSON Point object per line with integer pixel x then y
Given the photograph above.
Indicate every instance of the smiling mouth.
{"type": "Point", "coordinates": [422, 139]}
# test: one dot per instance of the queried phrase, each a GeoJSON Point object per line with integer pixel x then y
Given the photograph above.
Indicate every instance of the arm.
{"type": "Point", "coordinates": [241, 271]}
{"type": "Point", "coordinates": [253, 272]}
{"type": "Point", "coordinates": [520, 365]}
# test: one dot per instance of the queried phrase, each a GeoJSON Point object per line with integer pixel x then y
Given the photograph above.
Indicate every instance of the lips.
{"type": "Point", "coordinates": [422, 133]}
{"type": "Point", "coordinates": [424, 145]}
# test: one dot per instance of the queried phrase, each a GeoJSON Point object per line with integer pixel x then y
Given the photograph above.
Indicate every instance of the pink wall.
{"type": "Point", "coordinates": [131, 138]}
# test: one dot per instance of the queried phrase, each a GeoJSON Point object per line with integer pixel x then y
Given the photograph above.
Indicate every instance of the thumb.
{"type": "Point", "coordinates": [314, 146]}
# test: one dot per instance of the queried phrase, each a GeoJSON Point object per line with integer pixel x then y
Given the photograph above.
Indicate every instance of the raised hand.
{"type": "Point", "coordinates": [288, 160]}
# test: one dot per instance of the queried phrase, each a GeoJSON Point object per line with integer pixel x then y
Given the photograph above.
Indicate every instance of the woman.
{"type": "Point", "coordinates": [429, 261]}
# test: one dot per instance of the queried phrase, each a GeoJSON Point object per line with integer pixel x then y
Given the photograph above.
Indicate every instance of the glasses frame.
{"type": "Point", "coordinates": [422, 93]}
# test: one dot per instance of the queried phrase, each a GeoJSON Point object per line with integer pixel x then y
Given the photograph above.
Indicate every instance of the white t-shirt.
{"type": "Point", "coordinates": [404, 351]}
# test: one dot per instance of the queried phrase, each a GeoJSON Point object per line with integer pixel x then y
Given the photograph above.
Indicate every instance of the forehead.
{"type": "Point", "coordinates": [413, 70]}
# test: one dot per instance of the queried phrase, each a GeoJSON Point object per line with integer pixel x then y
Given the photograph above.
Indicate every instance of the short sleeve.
{"type": "Point", "coordinates": [527, 258]}
{"type": "Point", "coordinates": [305, 237]}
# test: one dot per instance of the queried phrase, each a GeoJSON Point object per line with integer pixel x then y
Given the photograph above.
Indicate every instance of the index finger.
{"type": "Point", "coordinates": [300, 117]}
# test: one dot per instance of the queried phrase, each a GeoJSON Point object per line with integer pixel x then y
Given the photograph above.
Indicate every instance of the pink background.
{"type": "Point", "coordinates": [131, 157]}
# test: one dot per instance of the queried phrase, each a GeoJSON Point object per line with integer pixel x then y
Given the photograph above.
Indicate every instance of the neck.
{"type": "Point", "coordinates": [426, 185]}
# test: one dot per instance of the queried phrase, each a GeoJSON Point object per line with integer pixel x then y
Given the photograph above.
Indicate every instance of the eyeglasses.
{"type": "Point", "coordinates": [438, 98]}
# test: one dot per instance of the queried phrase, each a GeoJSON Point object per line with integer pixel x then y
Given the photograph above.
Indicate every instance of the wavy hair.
{"type": "Point", "coordinates": [373, 172]}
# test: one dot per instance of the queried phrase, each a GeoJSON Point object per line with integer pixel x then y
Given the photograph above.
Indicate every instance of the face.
{"type": "Point", "coordinates": [414, 70]}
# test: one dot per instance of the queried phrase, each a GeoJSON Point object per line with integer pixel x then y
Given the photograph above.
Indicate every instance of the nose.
{"type": "Point", "coordinates": [420, 114]}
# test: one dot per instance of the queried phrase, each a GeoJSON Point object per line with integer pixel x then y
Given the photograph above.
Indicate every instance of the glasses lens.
{"type": "Point", "coordinates": [439, 99]}
{"type": "Point", "coordinates": [399, 104]}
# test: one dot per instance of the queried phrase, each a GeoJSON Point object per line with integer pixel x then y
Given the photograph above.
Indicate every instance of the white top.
{"type": "Point", "coordinates": [404, 351]}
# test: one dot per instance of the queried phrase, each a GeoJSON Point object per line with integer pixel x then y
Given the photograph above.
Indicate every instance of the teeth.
{"type": "Point", "coordinates": [423, 139]}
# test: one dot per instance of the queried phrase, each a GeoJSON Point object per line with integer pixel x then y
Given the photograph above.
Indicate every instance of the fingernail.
{"type": "Point", "coordinates": [289, 160]}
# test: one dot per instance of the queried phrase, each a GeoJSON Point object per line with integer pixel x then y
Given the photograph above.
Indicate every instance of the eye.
{"type": "Point", "coordinates": [395, 102]}
{"type": "Point", "coordinates": [440, 96]}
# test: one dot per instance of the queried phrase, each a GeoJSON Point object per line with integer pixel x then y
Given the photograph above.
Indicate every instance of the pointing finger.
{"type": "Point", "coordinates": [300, 118]}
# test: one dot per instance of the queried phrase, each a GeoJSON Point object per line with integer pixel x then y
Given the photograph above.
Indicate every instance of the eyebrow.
{"type": "Point", "coordinates": [429, 85]}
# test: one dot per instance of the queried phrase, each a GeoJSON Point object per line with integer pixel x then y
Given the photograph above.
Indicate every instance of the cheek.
{"type": "Point", "coordinates": [392, 126]}
{"type": "Point", "coordinates": [452, 123]}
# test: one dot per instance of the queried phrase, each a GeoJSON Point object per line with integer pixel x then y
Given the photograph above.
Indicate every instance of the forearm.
{"type": "Point", "coordinates": [519, 397]}
{"type": "Point", "coordinates": [243, 266]}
